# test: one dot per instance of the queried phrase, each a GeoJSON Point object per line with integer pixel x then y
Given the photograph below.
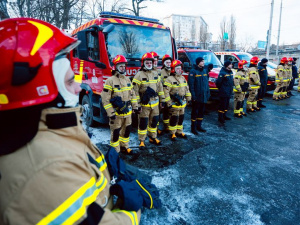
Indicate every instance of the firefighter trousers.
{"type": "Point", "coordinates": [278, 90]}
{"type": "Point", "coordinates": [252, 101]}
{"type": "Point", "coordinates": [299, 84]}
{"type": "Point", "coordinates": [224, 104]}
{"type": "Point", "coordinates": [148, 120]}
{"type": "Point", "coordinates": [198, 109]}
{"type": "Point", "coordinates": [119, 132]}
{"type": "Point", "coordinates": [176, 120]}
{"type": "Point", "coordinates": [239, 102]}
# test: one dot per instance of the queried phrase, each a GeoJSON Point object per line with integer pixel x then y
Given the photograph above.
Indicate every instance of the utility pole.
{"type": "Point", "coordinates": [277, 57]}
{"type": "Point", "coordinates": [270, 30]}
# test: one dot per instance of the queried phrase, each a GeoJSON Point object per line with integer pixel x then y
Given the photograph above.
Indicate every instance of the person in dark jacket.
{"type": "Point", "coordinates": [263, 75]}
{"type": "Point", "coordinates": [295, 75]}
{"type": "Point", "coordinates": [198, 84]}
{"type": "Point", "coordinates": [225, 85]}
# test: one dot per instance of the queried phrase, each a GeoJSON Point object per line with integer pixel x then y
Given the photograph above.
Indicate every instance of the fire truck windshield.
{"type": "Point", "coordinates": [208, 57]}
{"type": "Point", "coordinates": [134, 41]}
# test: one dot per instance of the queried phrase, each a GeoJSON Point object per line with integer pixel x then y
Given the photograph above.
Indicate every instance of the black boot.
{"type": "Point", "coordinates": [199, 127]}
{"type": "Point", "coordinates": [221, 117]}
{"type": "Point", "coordinates": [226, 117]}
{"type": "Point", "coordinates": [193, 128]}
{"type": "Point", "coordinates": [260, 105]}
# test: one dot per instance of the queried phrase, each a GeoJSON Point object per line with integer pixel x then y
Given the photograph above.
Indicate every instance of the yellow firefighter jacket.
{"type": "Point", "coordinates": [254, 79]}
{"type": "Point", "coordinates": [176, 84]}
{"type": "Point", "coordinates": [144, 79]}
{"type": "Point", "coordinates": [118, 85]}
{"type": "Point", "coordinates": [280, 74]}
{"type": "Point", "coordinates": [285, 73]}
{"type": "Point", "coordinates": [240, 78]}
{"type": "Point", "coordinates": [165, 74]}
{"type": "Point", "coordinates": [289, 72]}
{"type": "Point", "coordinates": [54, 178]}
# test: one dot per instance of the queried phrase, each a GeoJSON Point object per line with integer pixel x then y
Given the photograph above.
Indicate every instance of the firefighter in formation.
{"type": "Point", "coordinates": [119, 101]}
{"type": "Point", "coordinates": [198, 84]}
{"type": "Point", "coordinates": [165, 73]}
{"type": "Point", "coordinates": [263, 77]}
{"type": "Point", "coordinates": [177, 95]}
{"type": "Point", "coordinates": [280, 80]}
{"type": "Point", "coordinates": [241, 85]}
{"type": "Point", "coordinates": [150, 96]}
{"type": "Point", "coordinates": [53, 160]}
{"type": "Point", "coordinates": [254, 81]}
{"type": "Point", "coordinates": [225, 85]}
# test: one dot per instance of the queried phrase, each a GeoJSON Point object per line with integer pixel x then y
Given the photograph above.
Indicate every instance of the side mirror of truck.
{"type": "Point", "coordinates": [186, 67]}
{"type": "Point", "coordinates": [235, 65]}
{"type": "Point", "coordinates": [83, 49]}
{"type": "Point", "coordinates": [109, 28]}
{"type": "Point", "coordinates": [100, 65]}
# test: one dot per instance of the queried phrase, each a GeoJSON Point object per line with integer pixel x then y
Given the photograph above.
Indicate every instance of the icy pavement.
{"type": "Point", "coordinates": [246, 172]}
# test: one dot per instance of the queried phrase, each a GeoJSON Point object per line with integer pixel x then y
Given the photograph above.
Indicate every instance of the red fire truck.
{"type": "Point", "coordinates": [101, 40]}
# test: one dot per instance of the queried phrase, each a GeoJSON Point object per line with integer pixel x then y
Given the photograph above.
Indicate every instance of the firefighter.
{"type": "Point", "coordinates": [294, 74]}
{"type": "Point", "coordinates": [165, 73]}
{"type": "Point", "coordinates": [263, 77]}
{"type": "Point", "coordinates": [241, 85]}
{"type": "Point", "coordinates": [51, 172]}
{"type": "Point", "coordinates": [158, 73]}
{"type": "Point", "coordinates": [155, 63]}
{"type": "Point", "coordinates": [119, 100]}
{"type": "Point", "coordinates": [149, 92]}
{"type": "Point", "coordinates": [289, 76]}
{"type": "Point", "coordinates": [224, 83]}
{"type": "Point", "coordinates": [280, 74]}
{"type": "Point", "coordinates": [177, 95]}
{"type": "Point", "coordinates": [254, 82]}
{"type": "Point", "coordinates": [198, 85]}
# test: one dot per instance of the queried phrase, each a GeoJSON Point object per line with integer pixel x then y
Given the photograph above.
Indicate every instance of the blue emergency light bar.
{"type": "Point", "coordinates": [125, 16]}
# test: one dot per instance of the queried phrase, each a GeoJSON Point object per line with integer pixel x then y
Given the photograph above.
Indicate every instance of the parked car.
{"type": "Point", "coordinates": [235, 57]}
{"type": "Point", "coordinates": [188, 57]}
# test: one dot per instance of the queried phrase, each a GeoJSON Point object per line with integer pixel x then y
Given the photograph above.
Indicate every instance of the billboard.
{"type": "Point", "coordinates": [261, 44]}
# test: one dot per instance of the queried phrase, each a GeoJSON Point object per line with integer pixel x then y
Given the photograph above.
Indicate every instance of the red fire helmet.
{"type": "Point", "coordinates": [254, 60]}
{"type": "Point", "coordinates": [175, 63]}
{"type": "Point", "coordinates": [28, 48]}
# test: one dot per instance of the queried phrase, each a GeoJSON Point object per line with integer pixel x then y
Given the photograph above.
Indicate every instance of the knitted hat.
{"type": "Point", "coordinates": [227, 63]}
{"type": "Point", "coordinates": [198, 60]}
{"type": "Point", "coordinates": [264, 60]}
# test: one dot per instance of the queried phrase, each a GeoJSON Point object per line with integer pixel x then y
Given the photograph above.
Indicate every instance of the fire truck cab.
{"type": "Point", "coordinates": [101, 40]}
{"type": "Point", "coordinates": [188, 56]}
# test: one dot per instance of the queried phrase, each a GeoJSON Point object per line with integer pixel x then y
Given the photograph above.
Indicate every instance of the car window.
{"type": "Point", "coordinates": [230, 58]}
{"type": "Point", "coordinates": [183, 57]}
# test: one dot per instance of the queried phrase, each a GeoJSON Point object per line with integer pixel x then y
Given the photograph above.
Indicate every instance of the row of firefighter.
{"type": "Point", "coordinates": [166, 92]}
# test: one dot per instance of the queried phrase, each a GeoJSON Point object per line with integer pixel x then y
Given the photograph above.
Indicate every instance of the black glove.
{"type": "Point", "coordinates": [136, 194]}
{"type": "Point", "coordinates": [129, 193]}
{"type": "Point", "coordinates": [148, 94]}
{"type": "Point", "coordinates": [210, 67]}
{"type": "Point", "coordinates": [138, 110]}
{"type": "Point", "coordinates": [113, 117]}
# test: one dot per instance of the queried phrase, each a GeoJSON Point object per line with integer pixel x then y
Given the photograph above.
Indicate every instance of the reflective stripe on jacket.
{"type": "Point", "coordinates": [57, 177]}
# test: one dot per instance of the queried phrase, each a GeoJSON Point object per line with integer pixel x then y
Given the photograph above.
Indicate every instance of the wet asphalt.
{"type": "Point", "coordinates": [244, 172]}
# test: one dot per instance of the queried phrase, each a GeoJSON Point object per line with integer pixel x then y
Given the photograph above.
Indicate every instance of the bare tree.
{"type": "Point", "coordinates": [128, 42]}
{"type": "Point", "coordinates": [223, 30]}
{"type": "Point", "coordinates": [247, 43]}
{"type": "Point", "coordinates": [3, 10]}
{"type": "Point", "coordinates": [232, 32]}
{"type": "Point", "coordinates": [137, 7]}
{"type": "Point", "coordinates": [203, 35]}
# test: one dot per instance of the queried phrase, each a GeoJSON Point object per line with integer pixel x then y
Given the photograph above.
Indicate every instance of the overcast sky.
{"type": "Point", "coordinates": [252, 16]}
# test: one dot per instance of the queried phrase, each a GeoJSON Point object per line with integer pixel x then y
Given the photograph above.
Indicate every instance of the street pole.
{"type": "Point", "coordinates": [270, 30]}
{"type": "Point", "coordinates": [277, 57]}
